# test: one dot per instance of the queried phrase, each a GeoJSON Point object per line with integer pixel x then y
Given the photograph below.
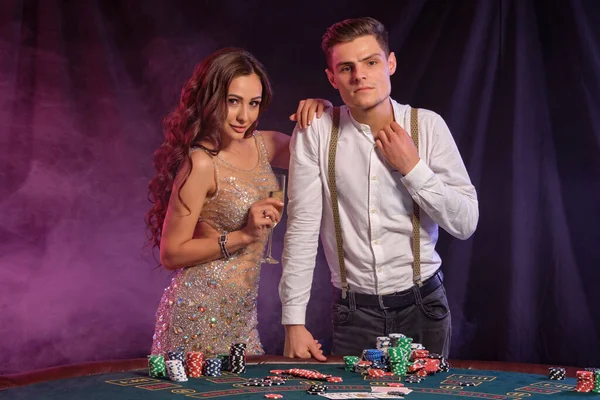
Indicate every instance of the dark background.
{"type": "Point", "coordinates": [85, 84]}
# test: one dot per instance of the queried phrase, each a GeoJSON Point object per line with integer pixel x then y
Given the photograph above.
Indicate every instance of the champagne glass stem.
{"type": "Point", "coordinates": [270, 245]}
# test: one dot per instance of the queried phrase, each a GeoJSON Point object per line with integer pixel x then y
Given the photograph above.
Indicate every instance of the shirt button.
{"type": "Point", "coordinates": [374, 177]}
{"type": "Point", "coordinates": [375, 241]}
{"type": "Point", "coordinates": [378, 269]}
{"type": "Point", "coordinates": [373, 210]}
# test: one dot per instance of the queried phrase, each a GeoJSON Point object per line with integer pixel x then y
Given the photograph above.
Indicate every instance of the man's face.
{"type": "Point", "coordinates": [361, 72]}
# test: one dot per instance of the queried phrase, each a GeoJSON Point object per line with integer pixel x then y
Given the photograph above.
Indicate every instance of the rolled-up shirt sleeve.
{"type": "Point", "coordinates": [442, 187]}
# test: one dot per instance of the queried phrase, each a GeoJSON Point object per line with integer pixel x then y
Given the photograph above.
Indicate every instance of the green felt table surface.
{"type": "Point", "coordinates": [136, 384]}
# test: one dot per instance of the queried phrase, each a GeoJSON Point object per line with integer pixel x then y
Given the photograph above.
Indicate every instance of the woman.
{"type": "Point", "coordinates": [211, 215]}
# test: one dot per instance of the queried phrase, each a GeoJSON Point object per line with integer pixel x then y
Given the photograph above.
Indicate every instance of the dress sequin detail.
{"type": "Point", "coordinates": [209, 306]}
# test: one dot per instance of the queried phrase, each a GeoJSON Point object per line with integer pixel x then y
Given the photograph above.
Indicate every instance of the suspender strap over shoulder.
{"type": "Point", "coordinates": [416, 217]}
{"type": "Point", "coordinates": [334, 199]}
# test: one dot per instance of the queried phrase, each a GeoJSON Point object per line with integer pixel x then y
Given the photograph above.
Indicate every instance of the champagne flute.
{"type": "Point", "coordinates": [278, 193]}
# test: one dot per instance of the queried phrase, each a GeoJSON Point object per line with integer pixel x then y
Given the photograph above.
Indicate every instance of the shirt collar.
{"type": "Point", "coordinates": [366, 129]}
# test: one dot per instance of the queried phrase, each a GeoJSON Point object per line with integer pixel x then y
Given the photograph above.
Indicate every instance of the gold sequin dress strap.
{"type": "Point", "coordinates": [263, 153]}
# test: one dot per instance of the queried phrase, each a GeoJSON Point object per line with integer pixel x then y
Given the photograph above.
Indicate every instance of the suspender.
{"type": "Point", "coordinates": [416, 217]}
{"type": "Point", "coordinates": [416, 222]}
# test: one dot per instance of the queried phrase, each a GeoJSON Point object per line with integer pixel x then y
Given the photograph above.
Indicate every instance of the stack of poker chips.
{"type": "Point", "coordinates": [557, 373]}
{"type": "Point", "coordinates": [350, 362]}
{"type": "Point", "coordinates": [444, 364]}
{"type": "Point", "coordinates": [422, 353]}
{"type": "Point", "coordinates": [317, 388]}
{"type": "Point", "coordinates": [193, 364]}
{"type": "Point", "coordinates": [237, 358]}
{"type": "Point", "coordinates": [395, 337]}
{"type": "Point", "coordinates": [176, 355]}
{"type": "Point", "coordinates": [426, 363]}
{"type": "Point", "coordinates": [398, 356]}
{"type": "Point", "coordinates": [362, 367]}
{"type": "Point", "coordinates": [383, 343]}
{"type": "Point", "coordinates": [376, 357]}
{"type": "Point", "coordinates": [212, 367]}
{"type": "Point", "coordinates": [585, 381]}
{"type": "Point", "coordinates": [596, 381]}
{"type": "Point", "coordinates": [307, 374]}
{"type": "Point", "coordinates": [268, 381]}
{"type": "Point", "coordinates": [156, 366]}
{"type": "Point", "coordinates": [176, 371]}
{"type": "Point", "coordinates": [224, 361]}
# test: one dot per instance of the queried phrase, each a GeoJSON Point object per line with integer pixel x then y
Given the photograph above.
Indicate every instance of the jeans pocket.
{"type": "Point", "coordinates": [339, 314]}
{"type": "Point", "coordinates": [435, 305]}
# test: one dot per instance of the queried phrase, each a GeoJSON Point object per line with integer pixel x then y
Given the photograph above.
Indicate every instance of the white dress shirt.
{"type": "Point", "coordinates": [375, 207]}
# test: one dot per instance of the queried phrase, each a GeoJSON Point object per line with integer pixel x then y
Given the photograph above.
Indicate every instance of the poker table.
{"type": "Point", "coordinates": [128, 379]}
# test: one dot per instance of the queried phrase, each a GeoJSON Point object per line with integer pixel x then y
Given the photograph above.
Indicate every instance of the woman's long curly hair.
{"type": "Point", "coordinates": [198, 118]}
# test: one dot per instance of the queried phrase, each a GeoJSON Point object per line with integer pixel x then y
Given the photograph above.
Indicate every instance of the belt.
{"type": "Point", "coordinates": [401, 299]}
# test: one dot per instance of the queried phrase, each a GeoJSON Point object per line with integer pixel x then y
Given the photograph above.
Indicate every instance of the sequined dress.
{"type": "Point", "coordinates": [209, 306]}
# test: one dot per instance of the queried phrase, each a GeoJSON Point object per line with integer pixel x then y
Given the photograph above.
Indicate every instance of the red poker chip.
{"type": "Point", "coordinates": [395, 384]}
{"type": "Point", "coordinates": [276, 371]}
{"type": "Point", "coordinates": [335, 379]}
{"type": "Point", "coordinates": [273, 396]}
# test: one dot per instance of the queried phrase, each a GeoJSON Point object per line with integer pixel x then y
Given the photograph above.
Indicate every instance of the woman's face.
{"type": "Point", "coordinates": [243, 105]}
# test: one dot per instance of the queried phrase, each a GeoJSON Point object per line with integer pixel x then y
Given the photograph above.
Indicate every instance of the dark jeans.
{"type": "Point", "coordinates": [427, 321]}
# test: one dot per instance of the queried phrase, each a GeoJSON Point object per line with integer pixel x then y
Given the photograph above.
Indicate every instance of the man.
{"type": "Point", "coordinates": [383, 183]}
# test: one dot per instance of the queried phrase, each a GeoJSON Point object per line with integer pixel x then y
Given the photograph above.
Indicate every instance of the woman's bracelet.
{"type": "Point", "coordinates": [222, 243]}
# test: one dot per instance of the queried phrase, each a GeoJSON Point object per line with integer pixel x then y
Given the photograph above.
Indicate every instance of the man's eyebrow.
{"type": "Point", "coordinates": [362, 59]}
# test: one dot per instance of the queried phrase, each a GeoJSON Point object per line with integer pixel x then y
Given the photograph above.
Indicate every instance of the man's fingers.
{"type": "Point", "coordinates": [396, 127]}
{"type": "Point", "coordinates": [383, 137]}
{"type": "Point", "coordinates": [316, 352]}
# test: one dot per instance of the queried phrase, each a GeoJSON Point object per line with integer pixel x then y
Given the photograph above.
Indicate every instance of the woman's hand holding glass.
{"type": "Point", "coordinates": [264, 214]}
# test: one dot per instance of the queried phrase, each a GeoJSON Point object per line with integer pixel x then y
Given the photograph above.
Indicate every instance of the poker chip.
{"type": "Point", "coordinates": [395, 384]}
{"type": "Point", "coordinates": [237, 358]}
{"type": "Point", "coordinates": [212, 367]}
{"type": "Point", "coordinates": [335, 379]}
{"type": "Point", "coordinates": [466, 383]}
{"type": "Point", "coordinates": [194, 361]}
{"type": "Point", "coordinates": [273, 396]}
{"type": "Point", "coordinates": [419, 354]}
{"type": "Point", "coordinates": [413, 379]}
{"type": "Point", "coordinates": [373, 355]}
{"type": "Point", "coordinates": [224, 361]}
{"type": "Point", "coordinates": [557, 373]}
{"type": "Point", "coordinates": [376, 373]}
{"type": "Point", "coordinates": [585, 381]}
{"type": "Point", "coordinates": [156, 366]}
{"type": "Point", "coordinates": [176, 355]}
{"type": "Point", "coordinates": [316, 388]}
{"type": "Point", "coordinates": [444, 365]}
{"type": "Point", "coordinates": [176, 371]}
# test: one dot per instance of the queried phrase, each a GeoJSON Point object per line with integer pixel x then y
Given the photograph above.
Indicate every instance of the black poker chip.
{"type": "Point", "coordinates": [316, 388]}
